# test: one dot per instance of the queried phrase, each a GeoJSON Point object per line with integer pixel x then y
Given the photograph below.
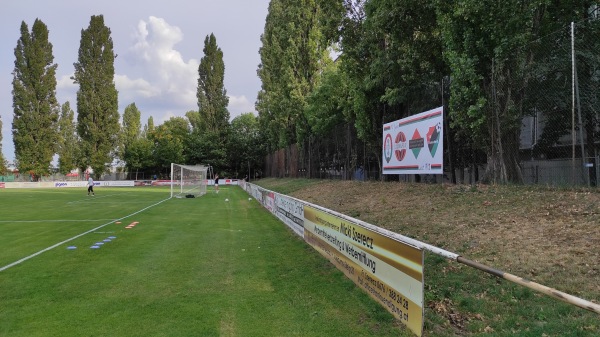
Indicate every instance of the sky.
{"type": "Point", "coordinates": [158, 45]}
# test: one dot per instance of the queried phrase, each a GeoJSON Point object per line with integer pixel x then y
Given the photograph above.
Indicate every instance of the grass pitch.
{"type": "Point", "coordinates": [548, 235]}
{"type": "Point", "coordinates": [189, 267]}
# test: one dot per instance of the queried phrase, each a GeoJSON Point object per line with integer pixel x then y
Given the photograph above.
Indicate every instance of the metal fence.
{"type": "Point", "coordinates": [551, 86]}
{"type": "Point", "coordinates": [339, 155]}
{"type": "Point", "coordinates": [560, 130]}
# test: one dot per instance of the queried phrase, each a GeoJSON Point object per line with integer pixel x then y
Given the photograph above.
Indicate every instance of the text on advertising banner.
{"type": "Point", "coordinates": [388, 270]}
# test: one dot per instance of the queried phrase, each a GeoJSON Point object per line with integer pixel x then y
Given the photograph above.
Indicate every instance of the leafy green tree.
{"type": "Point", "coordinates": [131, 129]}
{"type": "Point", "coordinates": [483, 43]}
{"type": "Point", "coordinates": [329, 101]}
{"type": "Point", "coordinates": [246, 147]}
{"type": "Point", "coordinates": [35, 107]}
{"type": "Point", "coordinates": [97, 101]}
{"type": "Point", "coordinates": [68, 142]}
{"type": "Point", "coordinates": [168, 142]}
{"type": "Point", "coordinates": [139, 155]}
{"type": "Point", "coordinates": [207, 148]}
{"type": "Point", "coordinates": [194, 119]}
{"type": "Point", "coordinates": [167, 149]}
{"type": "Point", "coordinates": [140, 152]}
{"type": "Point", "coordinates": [148, 128]}
{"type": "Point", "coordinates": [179, 127]}
{"type": "Point", "coordinates": [407, 54]}
{"type": "Point", "coordinates": [392, 63]}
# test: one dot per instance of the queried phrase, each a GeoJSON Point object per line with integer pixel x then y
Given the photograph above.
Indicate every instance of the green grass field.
{"type": "Point", "coordinates": [190, 267]}
{"type": "Point", "coordinates": [460, 300]}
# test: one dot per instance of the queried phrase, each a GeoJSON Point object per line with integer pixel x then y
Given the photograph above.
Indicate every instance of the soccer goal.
{"type": "Point", "coordinates": [188, 180]}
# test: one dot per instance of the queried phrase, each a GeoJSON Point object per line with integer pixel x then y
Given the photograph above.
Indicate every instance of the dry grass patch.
{"type": "Point", "coordinates": [548, 235]}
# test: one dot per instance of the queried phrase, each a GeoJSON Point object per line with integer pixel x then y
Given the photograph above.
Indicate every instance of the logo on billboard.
{"type": "Point", "coordinates": [416, 143]}
{"type": "Point", "coordinates": [387, 148]}
{"type": "Point", "coordinates": [400, 148]}
{"type": "Point", "coordinates": [433, 138]}
{"type": "Point", "coordinates": [60, 184]}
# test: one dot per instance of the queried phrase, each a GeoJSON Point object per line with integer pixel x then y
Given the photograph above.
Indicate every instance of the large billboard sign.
{"type": "Point", "coordinates": [414, 145]}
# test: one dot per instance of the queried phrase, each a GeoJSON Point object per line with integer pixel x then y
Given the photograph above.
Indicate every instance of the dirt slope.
{"type": "Point", "coordinates": [551, 236]}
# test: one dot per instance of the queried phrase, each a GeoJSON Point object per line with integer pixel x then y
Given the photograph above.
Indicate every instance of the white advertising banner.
{"type": "Point", "coordinates": [414, 145]}
{"type": "Point", "coordinates": [291, 212]}
{"type": "Point", "coordinates": [117, 183]}
{"type": "Point", "coordinates": [64, 184]}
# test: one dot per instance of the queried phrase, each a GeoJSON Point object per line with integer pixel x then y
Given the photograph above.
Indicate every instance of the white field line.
{"type": "Point", "coordinates": [76, 236]}
{"type": "Point", "coordinates": [70, 220]}
{"type": "Point", "coordinates": [109, 202]}
{"type": "Point", "coordinates": [90, 198]}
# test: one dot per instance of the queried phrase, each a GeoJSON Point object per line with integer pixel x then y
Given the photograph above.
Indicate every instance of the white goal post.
{"type": "Point", "coordinates": [188, 180]}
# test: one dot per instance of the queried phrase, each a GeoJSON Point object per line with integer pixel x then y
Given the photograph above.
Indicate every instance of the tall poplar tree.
{"type": "Point", "coordinates": [35, 106]}
{"type": "Point", "coordinates": [294, 51]}
{"type": "Point", "coordinates": [212, 96]}
{"type": "Point", "coordinates": [211, 125]}
{"type": "Point", "coordinates": [97, 101]}
{"type": "Point", "coordinates": [2, 160]}
{"type": "Point", "coordinates": [67, 140]}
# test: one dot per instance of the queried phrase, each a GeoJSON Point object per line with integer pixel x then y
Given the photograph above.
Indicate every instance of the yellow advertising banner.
{"type": "Point", "coordinates": [390, 271]}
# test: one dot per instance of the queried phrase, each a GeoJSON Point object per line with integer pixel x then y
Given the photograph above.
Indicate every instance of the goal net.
{"type": "Point", "coordinates": [188, 180]}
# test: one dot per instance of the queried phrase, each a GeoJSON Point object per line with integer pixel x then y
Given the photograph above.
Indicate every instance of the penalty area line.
{"type": "Point", "coordinates": [76, 236]}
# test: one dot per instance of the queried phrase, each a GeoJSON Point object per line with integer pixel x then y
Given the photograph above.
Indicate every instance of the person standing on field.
{"type": "Point", "coordinates": [217, 183]}
{"type": "Point", "coordinates": [91, 186]}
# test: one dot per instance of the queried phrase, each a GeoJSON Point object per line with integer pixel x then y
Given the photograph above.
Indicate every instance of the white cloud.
{"type": "Point", "coordinates": [239, 105]}
{"type": "Point", "coordinates": [137, 87]}
{"type": "Point", "coordinates": [165, 73]}
{"type": "Point", "coordinates": [66, 90]}
{"type": "Point", "coordinates": [165, 77]}
{"type": "Point", "coordinates": [66, 83]}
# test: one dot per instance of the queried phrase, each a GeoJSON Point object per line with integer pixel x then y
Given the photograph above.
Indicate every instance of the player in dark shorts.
{"type": "Point", "coordinates": [91, 186]}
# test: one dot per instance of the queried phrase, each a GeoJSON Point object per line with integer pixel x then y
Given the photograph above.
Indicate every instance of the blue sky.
{"type": "Point", "coordinates": [159, 46]}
